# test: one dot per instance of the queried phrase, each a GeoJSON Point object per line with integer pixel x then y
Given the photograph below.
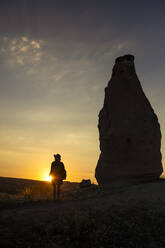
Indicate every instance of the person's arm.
{"type": "Point", "coordinates": [51, 169]}
{"type": "Point", "coordinates": [63, 165]}
{"type": "Point", "coordinates": [64, 175]}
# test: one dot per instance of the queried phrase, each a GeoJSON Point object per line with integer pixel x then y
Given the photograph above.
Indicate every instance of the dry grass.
{"type": "Point", "coordinates": [19, 192]}
{"type": "Point", "coordinates": [78, 227]}
{"type": "Point", "coordinates": [30, 218]}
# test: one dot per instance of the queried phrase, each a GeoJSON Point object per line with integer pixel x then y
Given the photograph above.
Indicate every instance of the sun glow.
{"type": "Point", "coordinates": [48, 178]}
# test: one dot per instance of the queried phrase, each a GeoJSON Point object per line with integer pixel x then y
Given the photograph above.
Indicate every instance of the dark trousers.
{"type": "Point", "coordinates": [56, 189]}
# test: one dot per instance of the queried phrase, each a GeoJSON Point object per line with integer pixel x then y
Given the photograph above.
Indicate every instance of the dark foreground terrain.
{"type": "Point", "coordinates": [123, 217]}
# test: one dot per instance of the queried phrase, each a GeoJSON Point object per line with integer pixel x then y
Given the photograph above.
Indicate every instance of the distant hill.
{"type": "Point", "coordinates": [17, 185]}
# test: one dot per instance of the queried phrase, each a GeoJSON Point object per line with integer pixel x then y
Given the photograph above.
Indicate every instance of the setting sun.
{"type": "Point", "coordinates": [48, 178]}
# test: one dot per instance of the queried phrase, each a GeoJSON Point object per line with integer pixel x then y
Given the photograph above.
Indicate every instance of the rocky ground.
{"type": "Point", "coordinates": [132, 216]}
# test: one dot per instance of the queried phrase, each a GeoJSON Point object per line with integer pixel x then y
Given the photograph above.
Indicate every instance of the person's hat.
{"type": "Point", "coordinates": [57, 155]}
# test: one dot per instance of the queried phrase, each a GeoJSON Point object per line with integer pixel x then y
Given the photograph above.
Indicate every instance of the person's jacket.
{"type": "Point", "coordinates": [58, 170]}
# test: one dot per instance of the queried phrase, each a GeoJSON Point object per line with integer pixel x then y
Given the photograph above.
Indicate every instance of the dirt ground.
{"type": "Point", "coordinates": [132, 216]}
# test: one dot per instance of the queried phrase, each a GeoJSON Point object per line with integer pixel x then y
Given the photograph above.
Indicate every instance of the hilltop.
{"type": "Point", "coordinates": [132, 216]}
{"type": "Point", "coordinates": [19, 186]}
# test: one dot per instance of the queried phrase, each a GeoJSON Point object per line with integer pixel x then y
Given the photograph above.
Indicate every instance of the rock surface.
{"type": "Point", "coordinates": [85, 183]}
{"type": "Point", "coordinates": [130, 137]}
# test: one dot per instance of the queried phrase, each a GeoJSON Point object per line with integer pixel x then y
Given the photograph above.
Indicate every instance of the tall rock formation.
{"type": "Point", "coordinates": [129, 131]}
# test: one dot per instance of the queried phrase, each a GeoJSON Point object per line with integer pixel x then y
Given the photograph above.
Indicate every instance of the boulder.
{"type": "Point", "coordinates": [85, 183]}
{"type": "Point", "coordinates": [129, 131]}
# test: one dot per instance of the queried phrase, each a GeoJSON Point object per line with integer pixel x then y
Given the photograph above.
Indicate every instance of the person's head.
{"type": "Point", "coordinates": [57, 157]}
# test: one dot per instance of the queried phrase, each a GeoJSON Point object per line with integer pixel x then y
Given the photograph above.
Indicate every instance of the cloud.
{"type": "Point", "coordinates": [24, 48]}
{"type": "Point", "coordinates": [35, 44]}
{"type": "Point", "coordinates": [51, 90]}
{"type": "Point", "coordinates": [25, 39]}
{"type": "Point", "coordinates": [21, 50]}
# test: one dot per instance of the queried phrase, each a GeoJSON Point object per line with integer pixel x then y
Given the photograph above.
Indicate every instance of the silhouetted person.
{"type": "Point", "coordinates": [58, 174]}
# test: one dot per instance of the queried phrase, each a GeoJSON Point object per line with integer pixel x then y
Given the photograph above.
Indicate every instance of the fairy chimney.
{"type": "Point", "coordinates": [129, 131]}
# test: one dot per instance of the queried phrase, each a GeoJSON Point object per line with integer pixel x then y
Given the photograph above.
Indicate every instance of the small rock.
{"type": "Point", "coordinates": [85, 183]}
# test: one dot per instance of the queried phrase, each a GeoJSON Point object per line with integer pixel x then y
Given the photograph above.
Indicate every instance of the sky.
{"type": "Point", "coordinates": [56, 58]}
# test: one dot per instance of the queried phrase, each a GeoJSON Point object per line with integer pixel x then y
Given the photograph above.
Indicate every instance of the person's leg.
{"type": "Point", "coordinates": [54, 191]}
{"type": "Point", "coordinates": [58, 191]}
